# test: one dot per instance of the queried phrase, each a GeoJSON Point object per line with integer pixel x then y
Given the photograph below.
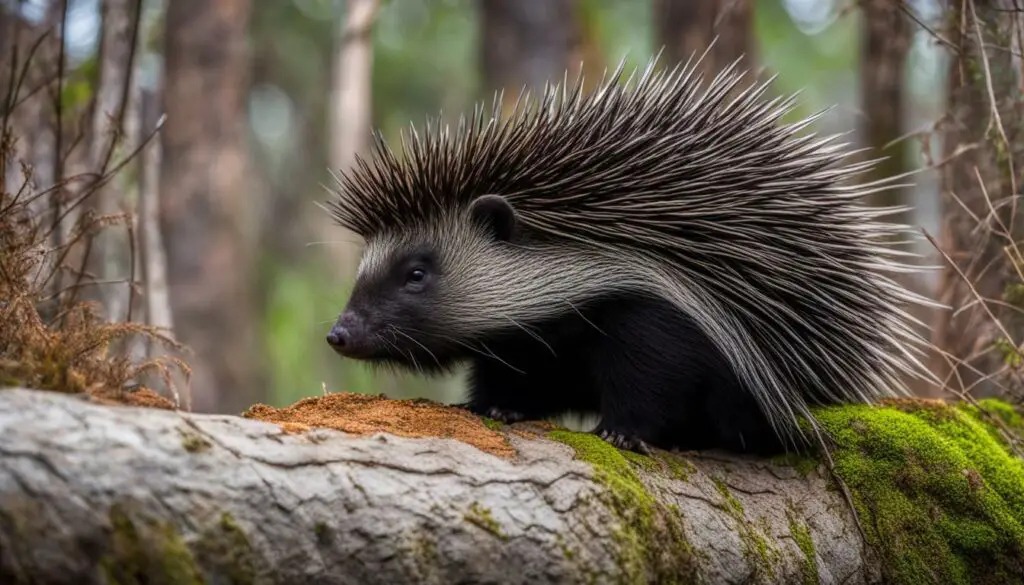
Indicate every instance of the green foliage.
{"type": "Point", "coordinates": [622, 29]}
{"type": "Point", "coordinates": [407, 87]}
{"type": "Point", "coordinates": [815, 65]}
{"type": "Point", "coordinates": [299, 313]}
{"type": "Point", "coordinates": [77, 90]}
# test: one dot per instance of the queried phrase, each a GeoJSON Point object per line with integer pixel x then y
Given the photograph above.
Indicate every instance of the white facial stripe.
{"type": "Point", "coordinates": [376, 255]}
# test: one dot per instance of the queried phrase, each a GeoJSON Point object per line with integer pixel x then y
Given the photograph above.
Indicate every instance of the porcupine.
{"type": "Point", "coordinates": [666, 254]}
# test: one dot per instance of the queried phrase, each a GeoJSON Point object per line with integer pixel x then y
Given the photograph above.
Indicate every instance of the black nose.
{"type": "Point", "coordinates": [348, 335]}
{"type": "Point", "coordinates": [338, 337]}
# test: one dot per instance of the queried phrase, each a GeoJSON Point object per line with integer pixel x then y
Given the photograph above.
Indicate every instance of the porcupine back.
{"type": "Point", "coordinates": [745, 222]}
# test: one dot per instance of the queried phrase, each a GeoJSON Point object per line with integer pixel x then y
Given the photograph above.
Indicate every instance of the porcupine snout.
{"type": "Point", "coordinates": [350, 335]}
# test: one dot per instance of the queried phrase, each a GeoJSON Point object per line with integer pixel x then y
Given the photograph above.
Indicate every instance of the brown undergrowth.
{"type": "Point", "coordinates": [52, 340]}
{"type": "Point", "coordinates": [362, 414]}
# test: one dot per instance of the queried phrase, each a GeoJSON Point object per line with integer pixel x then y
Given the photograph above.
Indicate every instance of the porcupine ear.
{"type": "Point", "coordinates": [494, 213]}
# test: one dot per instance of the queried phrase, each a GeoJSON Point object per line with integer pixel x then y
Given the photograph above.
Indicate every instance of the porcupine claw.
{"type": "Point", "coordinates": [625, 441]}
{"type": "Point", "coordinates": [499, 414]}
{"type": "Point", "coordinates": [505, 416]}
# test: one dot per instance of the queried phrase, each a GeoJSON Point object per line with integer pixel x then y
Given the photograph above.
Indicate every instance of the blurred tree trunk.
{"type": "Point", "coordinates": [351, 114]}
{"type": "Point", "coordinates": [153, 258]}
{"type": "Point", "coordinates": [686, 29]}
{"type": "Point", "coordinates": [885, 45]}
{"type": "Point", "coordinates": [527, 42]}
{"type": "Point", "coordinates": [108, 260]}
{"type": "Point", "coordinates": [886, 36]}
{"type": "Point", "coordinates": [983, 150]}
{"type": "Point", "coordinates": [353, 69]}
{"type": "Point", "coordinates": [203, 199]}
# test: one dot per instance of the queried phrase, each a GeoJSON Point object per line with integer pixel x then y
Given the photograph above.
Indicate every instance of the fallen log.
{"type": "Point", "coordinates": [93, 493]}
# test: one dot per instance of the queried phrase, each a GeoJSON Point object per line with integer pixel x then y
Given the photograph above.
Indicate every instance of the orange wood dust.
{"type": "Point", "coordinates": [362, 414]}
{"type": "Point", "coordinates": [143, 397]}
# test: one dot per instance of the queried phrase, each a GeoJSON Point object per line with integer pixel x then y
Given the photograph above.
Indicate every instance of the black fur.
{"type": "Point", "coordinates": [649, 371]}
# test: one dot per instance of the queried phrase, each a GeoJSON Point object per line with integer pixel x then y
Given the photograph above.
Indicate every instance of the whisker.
{"type": "Point", "coordinates": [532, 334]}
{"type": "Point", "coordinates": [584, 317]}
{"type": "Point", "coordinates": [489, 353]}
{"type": "Point", "coordinates": [413, 339]}
{"type": "Point", "coordinates": [416, 365]}
{"type": "Point", "coordinates": [493, 355]}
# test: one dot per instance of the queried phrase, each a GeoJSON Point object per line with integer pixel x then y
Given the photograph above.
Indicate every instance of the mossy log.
{"type": "Point", "coordinates": [110, 494]}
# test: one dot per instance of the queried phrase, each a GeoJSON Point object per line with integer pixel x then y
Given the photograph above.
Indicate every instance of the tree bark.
{"type": "Point", "coordinates": [526, 43]}
{"type": "Point", "coordinates": [885, 45]}
{"type": "Point", "coordinates": [686, 29]}
{"type": "Point", "coordinates": [93, 494]}
{"type": "Point", "coordinates": [108, 260]}
{"type": "Point", "coordinates": [203, 204]}
{"type": "Point", "coordinates": [984, 156]}
{"type": "Point", "coordinates": [156, 304]}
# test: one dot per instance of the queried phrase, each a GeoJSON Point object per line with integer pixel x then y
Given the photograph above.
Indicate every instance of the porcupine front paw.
{"type": "Point", "coordinates": [624, 440]}
{"type": "Point", "coordinates": [504, 415]}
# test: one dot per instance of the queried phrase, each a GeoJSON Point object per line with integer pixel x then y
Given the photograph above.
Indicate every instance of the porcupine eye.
{"type": "Point", "coordinates": [416, 275]}
{"type": "Point", "coordinates": [416, 279]}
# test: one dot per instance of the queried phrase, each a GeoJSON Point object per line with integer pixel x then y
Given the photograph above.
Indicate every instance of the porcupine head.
{"type": "Point", "coordinates": [431, 293]}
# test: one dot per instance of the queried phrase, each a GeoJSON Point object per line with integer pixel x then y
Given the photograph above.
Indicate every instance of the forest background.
{"type": "Point", "coordinates": [239, 111]}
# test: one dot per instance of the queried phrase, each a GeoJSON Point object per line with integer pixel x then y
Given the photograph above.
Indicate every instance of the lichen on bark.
{"type": "Point", "coordinates": [651, 543]}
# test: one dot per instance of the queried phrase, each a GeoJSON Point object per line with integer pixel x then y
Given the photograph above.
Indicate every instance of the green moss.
{"type": "Point", "coordinates": [642, 461]}
{"type": "Point", "coordinates": [938, 496]}
{"type": "Point", "coordinates": [491, 423]}
{"type": "Point", "coordinates": [1007, 413]}
{"type": "Point", "coordinates": [225, 551]}
{"type": "Point", "coordinates": [802, 536]}
{"type": "Point", "coordinates": [322, 532]}
{"type": "Point", "coordinates": [143, 551]}
{"type": "Point", "coordinates": [651, 543]}
{"type": "Point", "coordinates": [733, 505]}
{"type": "Point", "coordinates": [482, 517]}
{"type": "Point", "coordinates": [599, 453]}
{"type": "Point", "coordinates": [677, 465]}
{"type": "Point", "coordinates": [146, 551]}
{"type": "Point", "coordinates": [803, 464]}
{"type": "Point", "coordinates": [424, 551]}
{"type": "Point", "coordinates": [662, 462]}
{"type": "Point", "coordinates": [567, 550]}
{"type": "Point", "coordinates": [761, 553]}
{"type": "Point", "coordinates": [193, 443]}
